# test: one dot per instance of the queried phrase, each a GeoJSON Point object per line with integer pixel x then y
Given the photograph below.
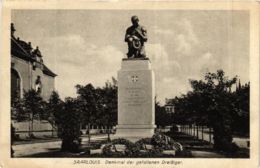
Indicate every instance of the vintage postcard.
{"type": "Point", "coordinates": [129, 84]}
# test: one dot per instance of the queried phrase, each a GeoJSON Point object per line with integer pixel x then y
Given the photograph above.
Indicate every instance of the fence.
{"type": "Point", "coordinates": [200, 132]}
{"type": "Point", "coordinates": [41, 128]}
{"type": "Point", "coordinates": [44, 129]}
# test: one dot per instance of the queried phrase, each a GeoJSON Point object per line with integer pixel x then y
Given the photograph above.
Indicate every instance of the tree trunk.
{"type": "Point", "coordinates": [195, 126]}
{"type": "Point", "coordinates": [32, 126]}
{"type": "Point", "coordinates": [89, 133]}
{"type": "Point", "coordinates": [210, 134]}
{"type": "Point", "coordinates": [29, 126]}
{"type": "Point", "coordinates": [52, 129]}
{"type": "Point", "coordinates": [108, 134]}
{"type": "Point", "coordinates": [192, 130]}
{"type": "Point", "coordinates": [31, 132]}
{"type": "Point", "coordinates": [197, 131]}
{"type": "Point", "coordinates": [202, 132]}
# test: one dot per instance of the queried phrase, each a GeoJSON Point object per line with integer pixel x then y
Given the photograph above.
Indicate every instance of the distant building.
{"type": "Point", "coordinates": [28, 70]}
{"type": "Point", "coordinates": [169, 107]}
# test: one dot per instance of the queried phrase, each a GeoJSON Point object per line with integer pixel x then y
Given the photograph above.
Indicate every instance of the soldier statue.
{"type": "Point", "coordinates": [135, 36]}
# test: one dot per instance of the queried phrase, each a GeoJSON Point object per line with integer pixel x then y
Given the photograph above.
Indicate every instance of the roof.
{"type": "Point", "coordinates": [47, 71]}
{"type": "Point", "coordinates": [18, 51]}
{"type": "Point", "coordinates": [21, 49]}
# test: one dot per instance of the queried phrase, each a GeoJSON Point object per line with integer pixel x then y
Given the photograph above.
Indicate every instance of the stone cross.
{"type": "Point", "coordinates": [134, 79]}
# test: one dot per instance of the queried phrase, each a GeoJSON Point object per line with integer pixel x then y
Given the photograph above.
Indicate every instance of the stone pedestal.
{"type": "Point", "coordinates": [136, 94]}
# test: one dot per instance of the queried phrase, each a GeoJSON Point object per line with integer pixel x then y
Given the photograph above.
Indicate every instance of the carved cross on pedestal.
{"type": "Point", "coordinates": [134, 79]}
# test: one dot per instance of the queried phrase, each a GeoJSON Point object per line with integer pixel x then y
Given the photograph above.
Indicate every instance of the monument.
{"type": "Point", "coordinates": [136, 88]}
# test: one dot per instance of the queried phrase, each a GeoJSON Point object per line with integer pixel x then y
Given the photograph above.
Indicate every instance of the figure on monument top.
{"type": "Point", "coordinates": [135, 37]}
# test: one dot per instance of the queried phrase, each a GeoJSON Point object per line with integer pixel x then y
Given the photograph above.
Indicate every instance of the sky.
{"type": "Point", "coordinates": [87, 46]}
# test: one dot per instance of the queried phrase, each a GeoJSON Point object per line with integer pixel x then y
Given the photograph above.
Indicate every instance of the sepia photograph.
{"type": "Point", "coordinates": [96, 85]}
{"type": "Point", "coordinates": [130, 83]}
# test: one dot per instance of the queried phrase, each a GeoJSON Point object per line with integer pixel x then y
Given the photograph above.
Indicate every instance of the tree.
{"type": "Point", "coordinates": [17, 111]}
{"type": "Point", "coordinates": [98, 105]}
{"type": "Point", "coordinates": [108, 108]}
{"type": "Point", "coordinates": [162, 118]}
{"type": "Point", "coordinates": [33, 105]}
{"type": "Point", "coordinates": [211, 102]}
{"type": "Point", "coordinates": [88, 100]}
{"type": "Point", "coordinates": [53, 109]}
{"type": "Point", "coordinates": [68, 120]}
{"type": "Point", "coordinates": [217, 106]}
{"type": "Point", "coordinates": [185, 109]}
{"type": "Point", "coordinates": [241, 115]}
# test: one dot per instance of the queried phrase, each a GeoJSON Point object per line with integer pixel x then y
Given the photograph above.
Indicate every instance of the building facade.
{"type": "Point", "coordinates": [169, 107]}
{"type": "Point", "coordinates": [28, 70]}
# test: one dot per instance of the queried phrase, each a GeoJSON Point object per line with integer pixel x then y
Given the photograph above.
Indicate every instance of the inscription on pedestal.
{"type": "Point", "coordinates": [135, 96]}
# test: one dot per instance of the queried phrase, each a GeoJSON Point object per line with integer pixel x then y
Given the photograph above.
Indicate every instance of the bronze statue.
{"type": "Point", "coordinates": [135, 36]}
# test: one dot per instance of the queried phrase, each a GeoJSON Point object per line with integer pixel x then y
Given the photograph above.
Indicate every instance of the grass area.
{"type": "Point", "coordinates": [190, 142]}
{"type": "Point", "coordinates": [197, 146]}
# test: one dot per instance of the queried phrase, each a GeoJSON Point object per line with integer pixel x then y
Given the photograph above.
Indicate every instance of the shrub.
{"type": "Point", "coordinates": [69, 127]}
{"type": "Point", "coordinates": [144, 151]}
{"type": "Point", "coordinates": [110, 148]}
{"type": "Point", "coordinates": [164, 142]}
{"type": "Point", "coordinates": [143, 142]}
{"type": "Point", "coordinates": [159, 143]}
{"type": "Point", "coordinates": [223, 134]}
{"type": "Point", "coordinates": [71, 145]}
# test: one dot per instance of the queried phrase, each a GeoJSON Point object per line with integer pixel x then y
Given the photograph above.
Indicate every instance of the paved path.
{"type": "Point", "coordinates": [29, 149]}
{"type": "Point", "coordinates": [205, 154]}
